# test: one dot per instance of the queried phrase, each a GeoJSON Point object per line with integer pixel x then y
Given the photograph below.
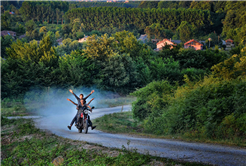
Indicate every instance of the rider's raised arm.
{"type": "Point", "coordinates": [89, 108]}
{"type": "Point", "coordinates": [70, 90]}
{"type": "Point", "coordinates": [89, 94]}
{"type": "Point", "coordinates": [90, 101]}
{"type": "Point", "coordinates": [72, 102]}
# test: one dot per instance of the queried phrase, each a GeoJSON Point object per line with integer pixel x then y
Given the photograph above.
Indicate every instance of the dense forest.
{"type": "Point", "coordinates": [201, 93]}
{"type": "Point", "coordinates": [97, 18]}
{"type": "Point", "coordinates": [231, 13]}
{"type": "Point", "coordinates": [131, 4]}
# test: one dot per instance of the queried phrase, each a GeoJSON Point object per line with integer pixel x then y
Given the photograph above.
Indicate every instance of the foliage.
{"type": "Point", "coordinates": [76, 69]}
{"type": "Point", "coordinates": [185, 31]}
{"type": "Point", "coordinates": [68, 46]}
{"type": "Point", "coordinates": [212, 107]}
{"type": "Point", "coordinates": [43, 30]}
{"type": "Point", "coordinates": [101, 48]}
{"type": "Point", "coordinates": [13, 107]}
{"type": "Point", "coordinates": [158, 31]}
{"type": "Point", "coordinates": [195, 59]}
{"type": "Point", "coordinates": [98, 18]}
{"type": "Point", "coordinates": [168, 4]}
{"type": "Point", "coordinates": [151, 98]}
{"type": "Point", "coordinates": [45, 11]}
{"type": "Point", "coordinates": [231, 68]}
{"type": "Point", "coordinates": [234, 19]}
{"type": "Point", "coordinates": [131, 4]}
{"type": "Point", "coordinates": [28, 64]}
{"type": "Point", "coordinates": [118, 74]}
{"type": "Point", "coordinates": [203, 107]}
{"type": "Point", "coordinates": [5, 20]}
{"type": "Point", "coordinates": [148, 4]}
{"type": "Point", "coordinates": [6, 41]}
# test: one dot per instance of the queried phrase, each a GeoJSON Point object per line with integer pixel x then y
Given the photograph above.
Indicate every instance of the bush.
{"type": "Point", "coordinates": [213, 108]}
{"type": "Point", "coordinates": [188, 58]}
{"type": "Point", "coordinates": [153, 97]}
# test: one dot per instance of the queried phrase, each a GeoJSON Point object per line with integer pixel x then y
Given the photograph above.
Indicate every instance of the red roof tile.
{"type": "Point", "coordinates": [192, 40]}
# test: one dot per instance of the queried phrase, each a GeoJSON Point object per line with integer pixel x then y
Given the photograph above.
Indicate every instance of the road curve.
{"type": "Point", "coordinates": [191, 152]}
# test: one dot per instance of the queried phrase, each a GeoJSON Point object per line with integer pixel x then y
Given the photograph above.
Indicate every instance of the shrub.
{"type": "Point", "coordinates": [154, 96]}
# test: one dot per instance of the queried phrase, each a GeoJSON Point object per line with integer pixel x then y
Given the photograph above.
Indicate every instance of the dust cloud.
{"type": "Point", "coordinates": [52, 103]}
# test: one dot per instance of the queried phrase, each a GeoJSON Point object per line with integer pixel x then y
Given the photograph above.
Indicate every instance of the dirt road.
{"type": "Point", "coordinates": [192, 152]}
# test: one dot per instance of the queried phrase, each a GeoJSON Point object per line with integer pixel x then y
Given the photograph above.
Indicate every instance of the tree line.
{"type": "Point", "coordinates": [98, 17]}
{"type": "Point", "coordinates": [44, 11]}
{"type": "Point", "coordinates": [228, 17]}
{"type": "Point", "coordinates": [104, 4]}
{"type": "Point", "coordinates": [16, 3]}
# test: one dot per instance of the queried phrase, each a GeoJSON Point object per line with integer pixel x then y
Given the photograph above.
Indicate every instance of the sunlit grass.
{"type": "Point", "coordinates": [118, 123]}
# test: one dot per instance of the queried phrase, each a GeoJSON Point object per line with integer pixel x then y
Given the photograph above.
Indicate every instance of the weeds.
{"type": "Point", "coordinates": [118, 123]}
{"type": "Point", "coordinates": [12, 107]}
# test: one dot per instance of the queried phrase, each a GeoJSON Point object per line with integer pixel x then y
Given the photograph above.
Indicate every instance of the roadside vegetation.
{"type": "Point", "coordinates": [23, 144]}
{"type": "Point", "coordinates": [212, 108]}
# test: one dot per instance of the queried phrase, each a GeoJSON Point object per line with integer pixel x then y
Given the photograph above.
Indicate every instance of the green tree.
{"type": "Point", "coordinates": [101, 48]}
{"type": "Point", "coordinates": [168, 4]}
{"type": "Point", "coordinates": [30, 25]}
{"type": "Point", "coordinates": [43, 30]}
{"type": "Point", "coordinates": [5, 42]}
{"type": "Point", "coordinates": [44, 52]}
{"type": "Point", "coordinates": [148, 4]}
{"type": "Point", "coordinates": [127, 43]}
{"type": "Point", "coordinates": [5, 22]}
{"type": "Point", "coordinates": [57, 35]}
{"type": "Point", "coordinates": [185, 31]}
{"type": "Point", "coordinates": [26, 10]}
{"type": "Point", "coordinates": [118, 74]}
{"type": "Point", "coordinates": [72, 65]}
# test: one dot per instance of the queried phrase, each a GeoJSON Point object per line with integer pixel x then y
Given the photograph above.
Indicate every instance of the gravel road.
{"type": "Point", "coordinates": [185, 151]}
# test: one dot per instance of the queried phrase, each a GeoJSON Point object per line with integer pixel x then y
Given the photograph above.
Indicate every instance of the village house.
{"type": "Point", "coordinates": [163, 43]}
{"type": "Point", "coordinates": [193, 44]}
{"type": "Point", "coordinates": [5, 33]}
{"type": "Point", "coordinates": [229, 44]}
{"type": "Point", "coordinates": [143, 38]}
{"type": "Point", "coordinates": [83, 39]}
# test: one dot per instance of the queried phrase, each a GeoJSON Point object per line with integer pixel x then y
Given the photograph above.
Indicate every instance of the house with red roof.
{"type": "Point", "coordinates": [163, 43]}
{"type": "Point", "coordinates": [82, 40]}
{"type": "Point", "coordinates": [229, 43]}
{"type": "Point", "coordinates": [193, 44]}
